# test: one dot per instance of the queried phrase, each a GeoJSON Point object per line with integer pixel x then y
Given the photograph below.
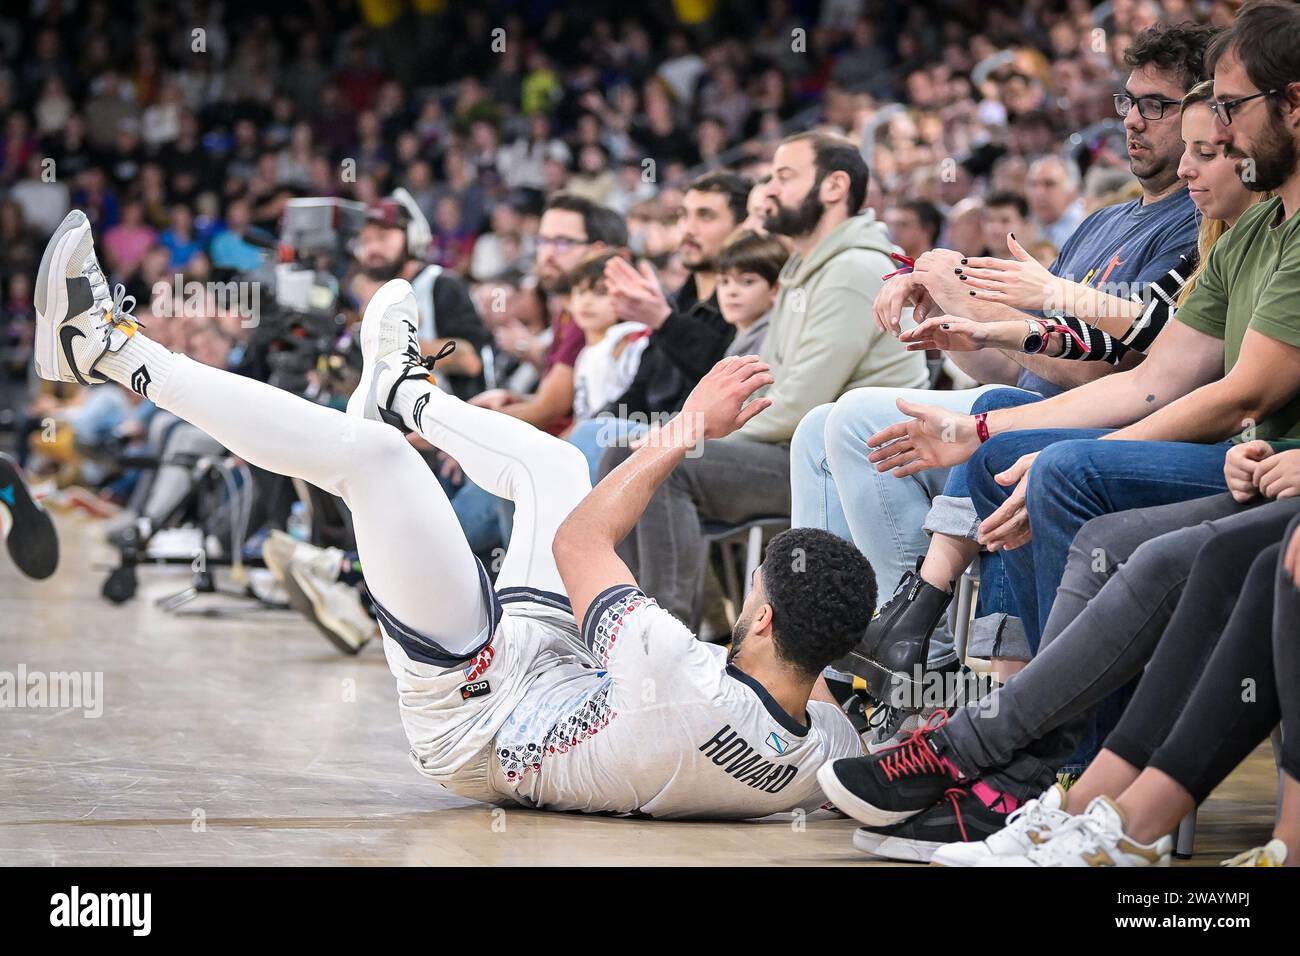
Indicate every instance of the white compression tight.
{"type": "Point", "coordinates": [416, 559]}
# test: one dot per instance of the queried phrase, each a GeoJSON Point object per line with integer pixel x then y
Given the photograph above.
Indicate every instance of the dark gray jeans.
{"type": "Point", "coordinates": [732, 481]}
{"type": "Point", "coordinates": [1130, 577]}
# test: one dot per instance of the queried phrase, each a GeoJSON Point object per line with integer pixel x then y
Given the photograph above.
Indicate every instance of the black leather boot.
{"type": "Point", "coordinates": [892, 654]}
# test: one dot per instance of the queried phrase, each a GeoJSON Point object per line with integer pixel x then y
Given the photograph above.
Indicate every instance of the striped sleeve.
{"type": "Point", "coordinates": [1159, 300]}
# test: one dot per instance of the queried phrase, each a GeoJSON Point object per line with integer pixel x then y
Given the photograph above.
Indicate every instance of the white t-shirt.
{"type": "Point", "coordinates": [600, 376]}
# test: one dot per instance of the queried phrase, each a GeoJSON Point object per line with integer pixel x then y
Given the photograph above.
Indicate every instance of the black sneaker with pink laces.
{"type": "Point", "coordinates": [893, 784]}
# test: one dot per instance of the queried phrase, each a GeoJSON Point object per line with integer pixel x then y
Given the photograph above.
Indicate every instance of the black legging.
{"type": "Point", "coordinates": [1206, 701]}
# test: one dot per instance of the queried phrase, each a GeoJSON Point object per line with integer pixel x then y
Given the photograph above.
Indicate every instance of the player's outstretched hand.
{"type": "Point", "coordinates": [716, 406]}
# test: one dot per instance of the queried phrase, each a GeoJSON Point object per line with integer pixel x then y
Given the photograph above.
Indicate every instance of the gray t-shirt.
{"type": "Point", "coordinates": [750, 341]}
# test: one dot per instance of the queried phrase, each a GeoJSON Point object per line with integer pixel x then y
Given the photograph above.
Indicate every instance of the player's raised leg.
{"type": "Point", "coordinates": [418, 564]}
{"type": "Point", "coordinates": [544, 476]}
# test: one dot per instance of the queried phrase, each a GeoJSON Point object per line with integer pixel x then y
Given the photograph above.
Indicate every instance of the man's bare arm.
{"type": "Point", "coordinates": [553, 399]}
{"type": "Point", "coordinates": [986, 366]}
{"type": "Point", "coordinates": [464, 361]}
{"type": "Point", "coordinates": [1265, 377]}
{"type": "Point", "coordinates": [584, 544]}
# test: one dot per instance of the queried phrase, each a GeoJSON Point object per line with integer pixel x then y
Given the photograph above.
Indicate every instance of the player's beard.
{"type": "Point", "coordinates": [1275, 158]}
{"type": "Point", "coordinates": [382, 270]}
{"type": "Point", "coordinates": [738, 634]}
{"type": "Point", "coordinates": [799, 221]}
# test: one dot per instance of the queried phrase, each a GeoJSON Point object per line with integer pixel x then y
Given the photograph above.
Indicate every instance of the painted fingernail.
{"type": "Point", "coordinates": [958, 271]}
{"type": "Point", "coordinates": [972, 291]}
{"type": "Point", "coordinates": [1013, 235]}
{"type": "Point", "coordinates": [963, 278]}
{"type": "Point", "coordinates": [963, 262]}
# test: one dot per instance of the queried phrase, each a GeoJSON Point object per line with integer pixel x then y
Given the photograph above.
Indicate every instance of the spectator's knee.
{"type": "Point", "coordinates": [1056, 471]}
{"type": "Point", "coordinates": [860, 413]}
{"type": "Point", "coordinates": [1002, 398]}
{"type": "Point", "coordinates": [1094, 541]}
{"type": "Point", "coordinates": [809, 440]}
{"type": "Point", "coordinates": [991, 458]}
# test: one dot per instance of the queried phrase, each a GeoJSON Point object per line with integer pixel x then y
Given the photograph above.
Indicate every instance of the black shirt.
{"type": "Point", "coordinates": [689, 343]}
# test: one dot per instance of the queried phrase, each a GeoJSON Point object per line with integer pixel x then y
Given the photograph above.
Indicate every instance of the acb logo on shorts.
{"type": "Point", "coordinates": [479, 688]}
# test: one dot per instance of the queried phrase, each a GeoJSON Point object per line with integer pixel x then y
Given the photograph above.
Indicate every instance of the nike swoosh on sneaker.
{"type": "Point", "coordinates": [67, 335]}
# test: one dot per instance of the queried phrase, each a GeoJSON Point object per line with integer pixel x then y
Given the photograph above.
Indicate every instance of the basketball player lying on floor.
{"type": "Point", "coordinates": [503, 699]}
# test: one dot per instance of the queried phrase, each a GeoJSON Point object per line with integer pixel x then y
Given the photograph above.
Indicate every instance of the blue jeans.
{"type": "Point", "coordinates": [1074, 479]}
{"type": "Point", "coordinates": [996, 630]}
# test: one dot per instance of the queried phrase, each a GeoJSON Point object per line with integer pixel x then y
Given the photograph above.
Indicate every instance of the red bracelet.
{"type": "Point", "coordinates": [982, 426]}
{"type": "Point", "coordinates": [1064, 330]}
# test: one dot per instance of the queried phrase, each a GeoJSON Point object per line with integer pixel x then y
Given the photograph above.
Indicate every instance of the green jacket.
{"type": "Point", "coordinates": [822, 340]}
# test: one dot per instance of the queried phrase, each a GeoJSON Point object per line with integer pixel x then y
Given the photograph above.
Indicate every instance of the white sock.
{"type": "Point", "coordinates": [408, 396]}
{"type": "Point", "coordinates": [141, 365]}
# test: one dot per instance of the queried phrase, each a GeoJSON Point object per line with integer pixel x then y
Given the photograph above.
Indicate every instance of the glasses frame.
{"type": "Point", "coordinates": [1162, 104]}
{"type": "Point", "coordinates": [1222, 109]}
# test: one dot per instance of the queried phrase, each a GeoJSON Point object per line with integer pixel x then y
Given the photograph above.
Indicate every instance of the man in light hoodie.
{"type": "Point", "coordinates": [821, 343]}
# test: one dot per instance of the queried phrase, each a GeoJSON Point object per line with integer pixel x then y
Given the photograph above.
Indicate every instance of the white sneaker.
{"type": "Point", "coordinates": [1272, 853]}
{"type": "Point", "coordinates": [1094, 838]}
{"type": "Point", "coordinates": [390, 353]}
{"type": "Point", "coordinates": [277, 552]}
{"type": "Point", "coordinates": [78, 318]}
{"type": "Point", "coordinates": [334, 608]}
{"type": "Point", "coordinates": [1026, 827]}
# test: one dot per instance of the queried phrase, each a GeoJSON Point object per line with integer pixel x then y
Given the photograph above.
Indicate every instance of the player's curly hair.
{"type": "Point", "coordinates": [822, 592]}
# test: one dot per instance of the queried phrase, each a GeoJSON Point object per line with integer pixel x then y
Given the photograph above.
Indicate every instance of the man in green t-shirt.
{"type": "Point", "coordinates": [1227, 368]}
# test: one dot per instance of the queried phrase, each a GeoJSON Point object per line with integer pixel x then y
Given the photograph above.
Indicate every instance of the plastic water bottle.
{"type": "Point", "coordinates": [299, 525]}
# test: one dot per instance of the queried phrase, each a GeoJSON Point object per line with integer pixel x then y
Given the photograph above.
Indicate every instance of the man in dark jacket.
{"type": "Point", "coordinates": [689, 333]}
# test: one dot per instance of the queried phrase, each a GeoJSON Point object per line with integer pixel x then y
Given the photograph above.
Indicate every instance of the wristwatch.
{"type": "Point", "coordinates": [1036, 340]}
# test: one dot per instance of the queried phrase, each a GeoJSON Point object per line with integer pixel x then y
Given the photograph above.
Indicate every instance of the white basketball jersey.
{"type": "Point", "coordinates": [639, 718]}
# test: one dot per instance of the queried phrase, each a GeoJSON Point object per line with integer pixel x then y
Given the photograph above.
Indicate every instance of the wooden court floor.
{"type": "Point", "coordinates": [251, 741]}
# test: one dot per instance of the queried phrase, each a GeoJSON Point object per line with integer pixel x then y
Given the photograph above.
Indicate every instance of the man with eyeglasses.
{"type": "Point", "coordinates": [571, 228]}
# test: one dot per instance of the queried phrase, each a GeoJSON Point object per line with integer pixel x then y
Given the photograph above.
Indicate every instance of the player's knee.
{"type": "Point", "coordinates": [377, 444]}
{"type": "Point", "coordinates": [568, 468]}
